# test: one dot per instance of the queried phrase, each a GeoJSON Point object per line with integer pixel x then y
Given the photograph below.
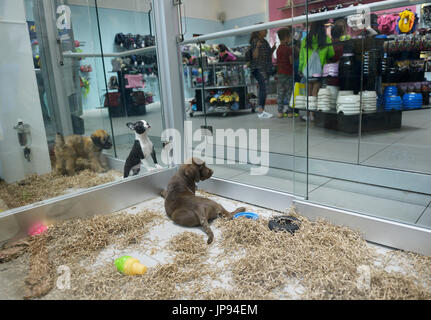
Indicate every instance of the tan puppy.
{"type": "Point", "coordinates": [69, 149]}
{"type": "Point", "coordinates": [186, 209]}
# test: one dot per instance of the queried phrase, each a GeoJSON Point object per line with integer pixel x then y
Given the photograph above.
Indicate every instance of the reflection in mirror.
{"type": "Point", "coordinates": [68, 122]}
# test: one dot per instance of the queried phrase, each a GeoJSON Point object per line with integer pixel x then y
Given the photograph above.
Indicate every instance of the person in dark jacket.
{"type": "Point", "coordinates": [261, 67]}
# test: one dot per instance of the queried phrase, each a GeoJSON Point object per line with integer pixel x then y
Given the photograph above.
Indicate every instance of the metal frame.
{"type": "Point", "coordinates": [104, 199]}
{"type": "Point", "coordinates": [375, 6]}
{"type": "Point", "coordinates": [76, 55]}
{"type": "Point", "coordinates": [52, 70]}
{"type": "Point", "coordinates": [125, 193]}
{"type": "Point", "coordinates": [383, 177]}
{"type": "Point", "coordinates": [122, 194]}
{"type": "Point", "coordinates": [167, 26]}
{"type": "Point", "coordinates": [383, 232]}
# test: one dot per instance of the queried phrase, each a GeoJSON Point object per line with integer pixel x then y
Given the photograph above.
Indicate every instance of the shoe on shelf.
{"type": "Point", "coordinates": [264, 115]}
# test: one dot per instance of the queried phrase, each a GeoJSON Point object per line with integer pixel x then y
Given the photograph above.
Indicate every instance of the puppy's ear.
{"type": "Point", "coordinates": [96, 140]}
{"type": "Point", "coordinates": [191, 171]}
{"type": "Point", "coordinates": [130, 125]}
{"type": "Point", "coordinates": [197, 161]}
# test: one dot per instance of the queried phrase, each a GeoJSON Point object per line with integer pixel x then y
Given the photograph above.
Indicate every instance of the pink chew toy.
{"type": "Point", "coordinates": [36, 229]}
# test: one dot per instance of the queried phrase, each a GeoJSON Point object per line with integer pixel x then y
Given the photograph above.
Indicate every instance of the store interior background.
{"type": "Point", "coordinates": [201, 17]}
{"type": "Point", "coordinates": [385, 155]}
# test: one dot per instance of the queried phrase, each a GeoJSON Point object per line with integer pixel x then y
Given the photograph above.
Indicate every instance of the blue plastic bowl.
{"type": "Point", "coordinates": [249, 215]}
{"type": "Point", "coordinates": [412, 98]}
{"type": "Point", "coordinates": [417, 106]}
{"type": "Point", "coordinates": [390, 90]}
{"type": "Point", "coordinates": [393, 107]}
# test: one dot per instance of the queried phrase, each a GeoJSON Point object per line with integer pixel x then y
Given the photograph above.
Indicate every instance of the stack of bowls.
{"type": "Point", "coordinates": [300, 102]}
{"type": "Point", "coordinates": [312, 103]}
{"type": "Point", "coordinates": [390, 91]}
{"type": "Point", "coordinates": [369, 101]}
{"type": "Point", "coordinates": [391, 99]}
{"type": "Point", "coordinates": [412, 101]}
{"type": "Point", "coordinates": [324, 100]}
{"type": "Point", "coordinates": [348, 104]}
{"type": "Point", "coordinates": [393, 103]}
{"type": "Point", "coordinates": [333, 90]}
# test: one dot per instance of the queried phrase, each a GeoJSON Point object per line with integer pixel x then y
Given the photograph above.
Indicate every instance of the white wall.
{"type": "Point", "coordinates": [199, 9]}
{"type": "Point", "coordinates": [202, 9]}
{"type": "Point", "coordinates": [209, 9]}
{"type": "Point", "coordinates": [241, 8]}
{"type": "Point", "coordinates": [19, 96]}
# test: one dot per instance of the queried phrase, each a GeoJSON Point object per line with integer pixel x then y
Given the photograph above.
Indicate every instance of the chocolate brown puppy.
{"type": "Point", "coordinates": [187, 209]}
{"type": "Point", "coordinates": [69, 149]}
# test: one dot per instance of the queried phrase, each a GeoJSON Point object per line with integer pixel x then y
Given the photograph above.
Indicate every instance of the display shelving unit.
{"type": "Point", "coordinates": [234, 78]}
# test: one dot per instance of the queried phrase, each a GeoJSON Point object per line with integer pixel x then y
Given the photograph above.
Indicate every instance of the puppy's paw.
{"type": "Point", "coordinates": [158, 166]}
{"type": "Point", "coordinates": [241, 209]}
{"type": "Point", "coordinates": [149, 169]}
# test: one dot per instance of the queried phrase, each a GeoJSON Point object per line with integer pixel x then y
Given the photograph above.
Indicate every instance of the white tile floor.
{"type": "Point", "coordinates": [408, 148]}
{"type": "Point", "coordinates": [396, 205]}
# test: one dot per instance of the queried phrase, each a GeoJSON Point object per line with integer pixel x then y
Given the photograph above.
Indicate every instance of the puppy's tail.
{"type": "Point", "coordinates": [59, 140]}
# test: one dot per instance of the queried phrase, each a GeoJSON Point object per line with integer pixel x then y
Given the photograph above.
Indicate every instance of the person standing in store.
{"type": "Point", "coordinates": [285, 72]}
{"type": "Point", "coordinates": [315, 51]}
{"type": "Point", "coordinates": [261, 67]}
{"type": "Point", "coordinates": [320, 49]}
{"type": "Point", "coordinates": [224, 54]}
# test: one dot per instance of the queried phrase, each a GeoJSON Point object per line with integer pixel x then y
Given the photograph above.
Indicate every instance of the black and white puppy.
{"type": "Point", "coordinates": [142, 149]}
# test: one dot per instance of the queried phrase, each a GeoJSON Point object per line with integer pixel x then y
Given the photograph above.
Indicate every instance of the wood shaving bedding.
{"type": "Point", "coordinates": [36, 188]}
{"type": "Point", "coordinates": [253, 262]}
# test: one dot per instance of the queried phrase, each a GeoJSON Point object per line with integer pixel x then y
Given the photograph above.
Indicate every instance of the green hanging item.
{"type": "Point", "coordinates": [85, 85]}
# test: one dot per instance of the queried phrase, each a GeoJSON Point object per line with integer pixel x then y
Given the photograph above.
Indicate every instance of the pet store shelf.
{"type": "Point", "coordinates": [221, 87]}
{"type": "Point", "coordinates": [77, 55]}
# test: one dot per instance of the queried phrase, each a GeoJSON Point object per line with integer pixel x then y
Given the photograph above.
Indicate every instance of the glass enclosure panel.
{"type": "Point", "coordinates": [87, 72]}
{"type": "Point", "coordinates": [405, 74]}
{"type": "Point", "coordinates": [84, 68]}
{"type": "Point", "coordinates": [234, 97]}
{"type": "Point", "coordinates": [353, 146]}
{"type": "Point", "coordinates": [388, 67]}
{"type": "Point", "coordinates": [132, 78]}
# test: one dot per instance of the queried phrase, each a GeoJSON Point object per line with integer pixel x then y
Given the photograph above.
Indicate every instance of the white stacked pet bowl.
{"type": "Point", "coordinates": [312, 103]}
{"type": "Point", "coordinates": [348, 104]}
{"type": "Point", "coordinates": [324, 102]}
{"type": "Point", "coordinates": [333, 90]}
{"type": "Point", "coordinates": [300, 103]}
{"type": "Point", "coordinates": [369, 101]}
